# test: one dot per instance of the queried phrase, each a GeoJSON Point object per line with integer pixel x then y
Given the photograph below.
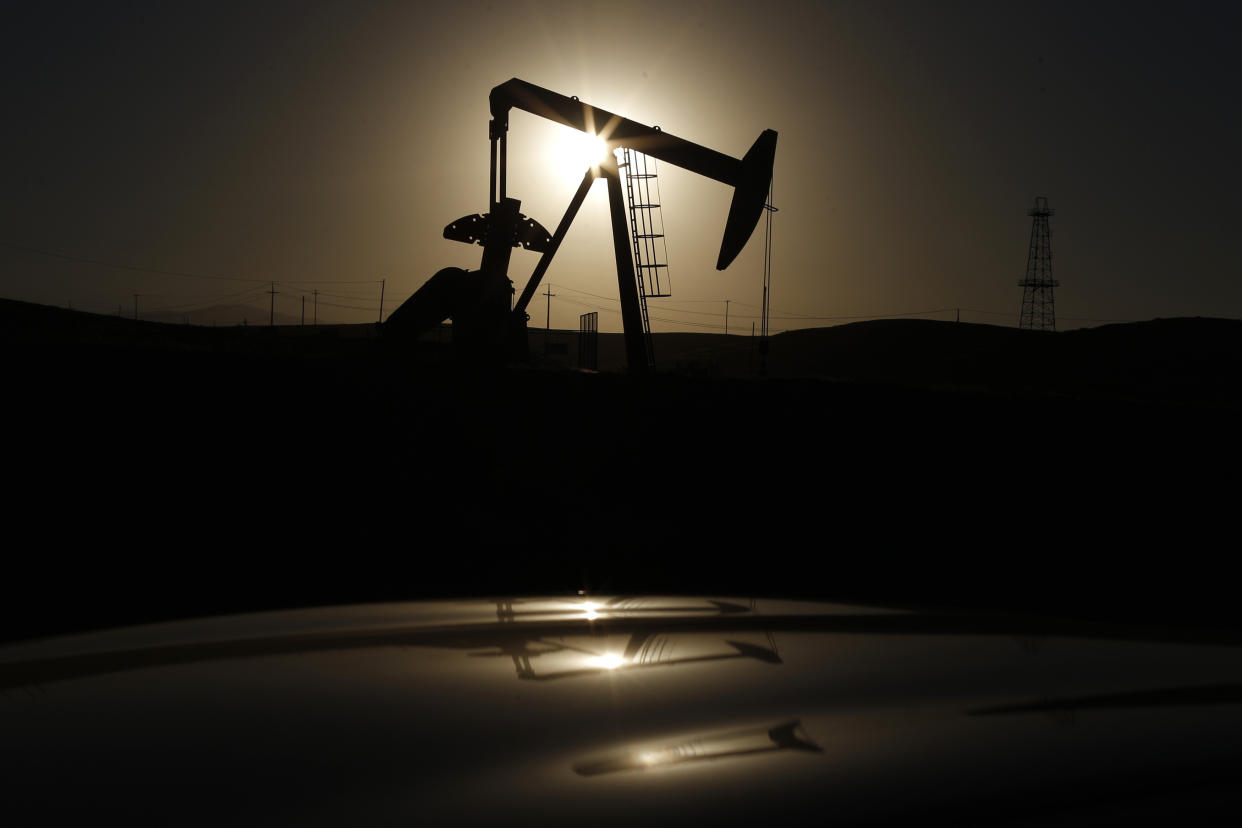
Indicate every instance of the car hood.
{"type": "Point", "coordinates": [613, 709]}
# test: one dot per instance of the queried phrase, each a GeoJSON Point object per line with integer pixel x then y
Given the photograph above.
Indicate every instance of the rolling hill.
{"type": "Point", "coordinates": [166, 470]}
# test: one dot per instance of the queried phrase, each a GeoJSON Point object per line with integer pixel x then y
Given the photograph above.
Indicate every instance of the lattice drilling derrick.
{"type": "Point", "coordinates": [1038, 303]}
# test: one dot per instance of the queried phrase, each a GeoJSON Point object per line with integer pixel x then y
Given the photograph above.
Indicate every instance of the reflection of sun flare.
{"type": "Point", "coordinates": [590, 608]}
{"type": "Point", "coordinates": [607, 661]}
{"type": "Point", "coordinates": [575, 151]}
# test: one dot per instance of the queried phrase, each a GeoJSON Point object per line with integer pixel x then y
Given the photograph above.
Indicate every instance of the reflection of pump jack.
{"type": "Point", "coordinates": [483, 325]}
{"type": "Point", "coordinates": [750, 742]}
{"type": "Point", "coordinates": [636, 656]}
{"type": "Point", "coordinates": [645, 648]}
{"type": "Point", "coordinates": [521, 653]}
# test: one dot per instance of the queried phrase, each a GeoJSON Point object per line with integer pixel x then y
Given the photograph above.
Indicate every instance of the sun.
{"type": "Point", "coordinates": [594, 148]}
{"type": "Point", "coordinates": [574, 151]}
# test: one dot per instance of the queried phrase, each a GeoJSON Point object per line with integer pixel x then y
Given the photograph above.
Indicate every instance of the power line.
{"type": "Point", "coordinates": [590, 305]}
{"type": "Point", "coordinates": [788, 315]}
{"type": "Point", "coordinates": [178, 273]}
{"type": "Point", "coordinates": [780, 314]}
{"type": "Point", "coordinates": [117, 266]}
{"type": "Point", "coordinates": [202, 304]}
{"type": "Point", "coordinates": [870, 315]}
{"type": "Point", "coordinates": [586, 293]}
{"type": "Point", "coordinates": [347, 307]}
{"type": "Point", "coordinates": [351, 296]}
{"type": "Point", "coordinates": [690, 324]}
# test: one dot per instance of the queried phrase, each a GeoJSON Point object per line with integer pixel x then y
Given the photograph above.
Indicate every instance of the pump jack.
{"type": "Point", "coordinates": [484, 326]}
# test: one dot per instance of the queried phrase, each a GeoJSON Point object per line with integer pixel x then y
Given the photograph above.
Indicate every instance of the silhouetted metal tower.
{"type": "Point", "coordinates": [1038, 306]}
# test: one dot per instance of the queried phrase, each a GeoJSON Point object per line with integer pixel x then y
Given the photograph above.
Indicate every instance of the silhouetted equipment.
{"type": "Point", "coordinates": [1038, 305]}
{"type": "Point", "coordinates": [588, 341]}
{"type": "Point", "coordinates": [769, 209]}
{"type": "Point", "coordinates": [547, 325]}
{"type": "Point", "coordinates": [473, 298]}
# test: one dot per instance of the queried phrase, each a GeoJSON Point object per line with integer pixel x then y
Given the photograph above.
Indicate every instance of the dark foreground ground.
{"type": "Point", "coordinates": [160, 471]}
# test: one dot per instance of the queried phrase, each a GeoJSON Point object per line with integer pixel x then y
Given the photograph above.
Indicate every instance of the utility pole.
{"type": "Point", "coordinates": [382, 281]}
{"type": "Point", "coordinates": [547, 326]}
{"type": "Point", "coordinates": [727, 316]}
{"type": "Point", "coordinates": [271, 314]}
{"type": "Point", "coordinates": [768, 208]}
{"type": "Point", "coordinates": [303, 325]}
{"type": "Point", "coordinates": [316, 294]}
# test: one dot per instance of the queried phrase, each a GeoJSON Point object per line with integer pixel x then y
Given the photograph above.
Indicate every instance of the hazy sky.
{"type": "Point", "coordinates": [305, 142]}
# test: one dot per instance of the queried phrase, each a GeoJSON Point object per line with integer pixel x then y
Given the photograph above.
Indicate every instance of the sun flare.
{"type": "Point", "coordinates": [574, 152]}
{"type": "Point", "coordinates": [607, 661]}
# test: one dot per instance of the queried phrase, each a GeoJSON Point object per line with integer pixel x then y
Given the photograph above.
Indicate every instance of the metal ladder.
{"type": "Point", "coordinates": [647, 234]}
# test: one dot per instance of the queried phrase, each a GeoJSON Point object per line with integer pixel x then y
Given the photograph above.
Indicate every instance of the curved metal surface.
{"type": "Point", "coordinates": [620, 711]}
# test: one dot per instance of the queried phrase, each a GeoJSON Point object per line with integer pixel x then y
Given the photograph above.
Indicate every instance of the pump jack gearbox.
{"type": "Point", "coordinates": [485, 328]}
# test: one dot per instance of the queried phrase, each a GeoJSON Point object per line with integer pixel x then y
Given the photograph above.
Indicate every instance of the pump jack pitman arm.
{"type": "Point", "coordinates": [749, 176]}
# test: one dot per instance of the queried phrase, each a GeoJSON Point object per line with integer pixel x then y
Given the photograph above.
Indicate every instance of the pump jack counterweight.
{"type": "Point", "coordinates": [478, 301]}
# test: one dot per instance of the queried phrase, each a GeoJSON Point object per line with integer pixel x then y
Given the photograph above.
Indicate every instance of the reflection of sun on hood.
{"type": "Point", "coordinates": [479, 711]}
